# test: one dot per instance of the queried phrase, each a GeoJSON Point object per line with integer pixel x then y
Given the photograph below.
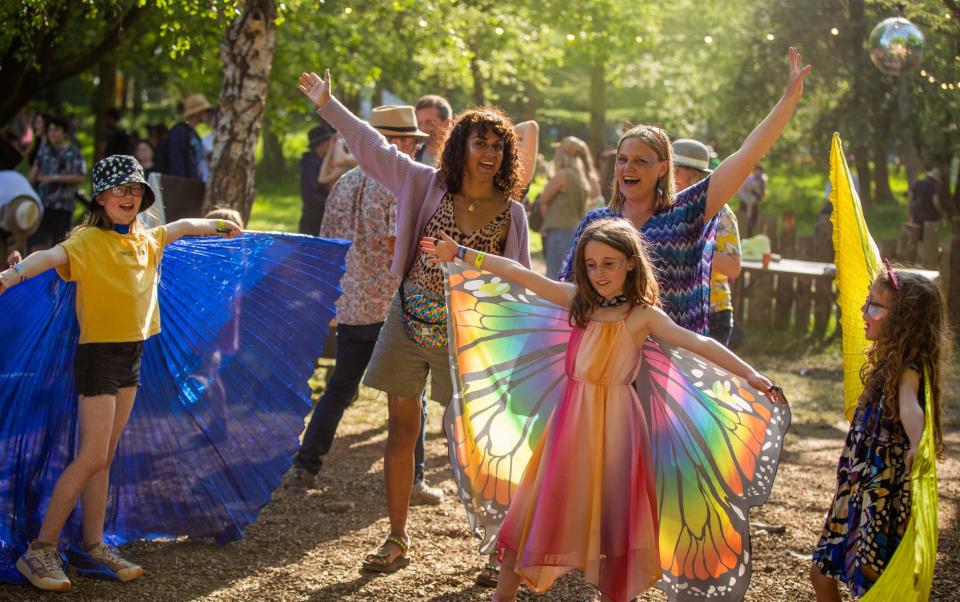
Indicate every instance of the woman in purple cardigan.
{"type": "Point", "coordinates": [473, 198]}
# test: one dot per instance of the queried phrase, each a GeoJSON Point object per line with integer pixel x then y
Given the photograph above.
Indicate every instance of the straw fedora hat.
{"type": "Point", "coordinates": [396, 120]}
{"type": "Point", "coordinates": [193, 104]}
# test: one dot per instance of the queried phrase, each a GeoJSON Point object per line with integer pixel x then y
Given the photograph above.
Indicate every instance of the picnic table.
{"type": "Point", "coordinates": [787, 293]}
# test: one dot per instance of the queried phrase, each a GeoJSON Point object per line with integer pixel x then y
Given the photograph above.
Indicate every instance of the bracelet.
{"type": "Point", "coordinates": [20, 270]}
{"type": "Point", "coordinates": [461, 252]}
{"type": "Point", "coordinates": [222, 227]}
{"type": "Point", "coordinates": [478, 260]}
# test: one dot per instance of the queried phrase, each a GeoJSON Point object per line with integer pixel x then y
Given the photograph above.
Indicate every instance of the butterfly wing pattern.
{"type": "Point", "coordinates": [715, 446]}
{"type": "Point", "coordinates": [507, 350]}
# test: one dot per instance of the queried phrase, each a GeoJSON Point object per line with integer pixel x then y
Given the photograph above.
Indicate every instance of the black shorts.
{"type": "Point", "coordinates": [105, 368]}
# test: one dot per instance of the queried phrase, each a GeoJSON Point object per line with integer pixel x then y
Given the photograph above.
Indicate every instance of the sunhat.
{"type": "Point", "coordinates": [691, 153]}
{"type": "Point", "coordinates": [116, 170]}
{"type": "Point", "coordinates": [194, 104]}
{"type": "Point", "coordinates": [396, 120]}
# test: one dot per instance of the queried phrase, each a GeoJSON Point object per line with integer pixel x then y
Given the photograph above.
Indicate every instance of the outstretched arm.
{"type": "Point", "coordinates": [661, 326]}
{"type": "Point", "coordinates": [527, 149]}
{"type": "Point", "coordinates": [445, 249]}
{"type": "Point", "coordinates": [726, 179]}
{"type": "Point", "coordinates": [34, 264]}
{"type": "Point", "coordinates": [379, 159]}
{"type": "Point", "coordinates": [201, 227]}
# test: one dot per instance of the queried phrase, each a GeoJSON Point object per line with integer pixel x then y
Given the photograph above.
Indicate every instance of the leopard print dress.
{"type": "Point", "coordinates": [427, 277]}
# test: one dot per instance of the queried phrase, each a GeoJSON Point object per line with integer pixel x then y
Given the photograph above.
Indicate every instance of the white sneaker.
{"type": "Point", "coordinates": [424, 494]}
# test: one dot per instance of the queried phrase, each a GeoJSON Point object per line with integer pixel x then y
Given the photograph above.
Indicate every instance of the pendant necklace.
{"type": "Point", "coordinates": [615, 302]}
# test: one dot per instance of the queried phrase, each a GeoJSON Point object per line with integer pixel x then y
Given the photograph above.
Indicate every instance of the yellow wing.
{"type": "Point", "coordinates": [858, 263]}
{"type": "Point", "coordinates": [909, 575]}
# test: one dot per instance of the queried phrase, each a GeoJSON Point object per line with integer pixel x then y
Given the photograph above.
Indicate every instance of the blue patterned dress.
{"type": "Point", "coordinates": [681, 247]}
{"type": "Point", "coordinates": [871, 507]}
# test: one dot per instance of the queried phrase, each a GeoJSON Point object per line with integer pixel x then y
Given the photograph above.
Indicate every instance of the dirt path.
{"type": "Point", "coordinates": [301, 548]}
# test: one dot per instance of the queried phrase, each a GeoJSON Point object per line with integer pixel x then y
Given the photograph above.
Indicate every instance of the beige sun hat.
{"type": "Point", "coordinates": [26, 215]}
{"type": "Point", "coordinates": [691, 153]}
{"type": "Point", "coordinates": [396, 120]}
{"type": "Point", "coordinates": [194, 104]}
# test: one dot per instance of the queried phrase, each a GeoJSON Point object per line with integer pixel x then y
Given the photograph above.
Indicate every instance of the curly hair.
{"type": "Point", "coordinates": [482, 120]}
{"type": "Point", "coordinates": [915, 335]}
{"type": "Point", "coordinates": [658, 141]}
{"type": "Point", "coordinates": [640, 287]}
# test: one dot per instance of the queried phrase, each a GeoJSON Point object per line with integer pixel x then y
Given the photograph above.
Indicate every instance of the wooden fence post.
{"type": "Point", "coordinates": [804, 298]}
{"type": "Point", "coordinates": [788, 234]}
{"type": "Point", "coordinates": [907, 245]}
{"type": "Point", "coordinates": [930, 246]}
{"type": "Point", "coordinates": [953, 294]}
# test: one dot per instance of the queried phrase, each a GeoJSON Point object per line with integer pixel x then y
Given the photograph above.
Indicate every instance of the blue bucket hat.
{"type": "Point", "coordinates": [116, 170]}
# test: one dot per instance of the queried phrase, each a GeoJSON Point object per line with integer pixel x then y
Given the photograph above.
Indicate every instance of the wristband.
{"type": "Point", "coordinates": [20, 270]}
{"type": "Point", "coordinates": [478, 261]}
{"type": "Point", "coordinates": [222, 227]}
{"type": "Point", "coordinates": [461, 252]}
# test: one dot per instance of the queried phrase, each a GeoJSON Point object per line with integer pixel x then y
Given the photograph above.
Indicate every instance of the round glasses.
{"type": "Point", "coordinates": [127, 190]}
{"type": "Point", "coordinates": [873, 308]}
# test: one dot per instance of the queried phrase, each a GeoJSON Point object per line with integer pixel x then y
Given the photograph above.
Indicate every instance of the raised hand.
{"type": "Point", "coordinates": [796, 72]}
{"type": "Point", "coordinates": [315, 88]}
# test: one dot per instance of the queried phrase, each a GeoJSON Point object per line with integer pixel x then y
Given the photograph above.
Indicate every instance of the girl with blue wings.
{"type": "Point", "coordinates": [587, 499]}
{"type": "Point", "coordinates": [115, 263]}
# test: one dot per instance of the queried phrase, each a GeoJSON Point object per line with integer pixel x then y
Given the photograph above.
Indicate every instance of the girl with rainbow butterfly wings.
{"type": "Point", "coordinates": [550, 441]}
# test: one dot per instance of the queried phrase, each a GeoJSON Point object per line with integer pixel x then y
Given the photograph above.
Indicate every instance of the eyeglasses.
{"type": "Point", "coordinates": [872, 309]}
{"type": "Point", "coordinates": [127, 190]}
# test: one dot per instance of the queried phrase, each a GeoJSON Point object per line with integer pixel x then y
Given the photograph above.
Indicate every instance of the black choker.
{"type": "Point", "coordinates": [616, 301]}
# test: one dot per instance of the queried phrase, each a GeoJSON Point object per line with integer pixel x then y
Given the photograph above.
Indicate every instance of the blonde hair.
{"type": "Point", "coordinates": [658, 141]}
{"type": "Point", "coordinates": [563, 160]}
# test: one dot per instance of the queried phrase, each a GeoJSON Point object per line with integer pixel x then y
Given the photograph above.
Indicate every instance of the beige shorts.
{"type": "Point", "coordinates": [400, 367]}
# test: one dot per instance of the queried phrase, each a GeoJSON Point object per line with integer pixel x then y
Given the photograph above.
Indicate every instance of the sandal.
{"type": "Point", "coordinates": [379, 561]}
{"type": "Point", "coordinates": [489, 575]}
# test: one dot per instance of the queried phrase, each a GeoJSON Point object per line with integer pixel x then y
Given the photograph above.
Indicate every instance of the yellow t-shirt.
{"type": "Point", "coordinates": [728, 243]}
{"type": "Point", "coordinates": [116, 276]}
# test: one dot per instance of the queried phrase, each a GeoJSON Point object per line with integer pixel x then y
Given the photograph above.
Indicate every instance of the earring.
{"type": "Point", "coordinates": [660, 188]}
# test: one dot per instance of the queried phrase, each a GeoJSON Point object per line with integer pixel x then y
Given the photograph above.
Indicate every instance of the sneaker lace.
{"type": "Point", "coordinates": [50, 560]}
{"type": "Point", "coordinates": [108, 552]}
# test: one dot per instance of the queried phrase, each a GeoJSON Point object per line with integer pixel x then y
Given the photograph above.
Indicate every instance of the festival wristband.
{"type": "Point", "coordinates": [478, 260]}
{"type": "Point", "coordinates": [20, 270]}
{"type": "Point", "coordinates": [461, 252]}
{"type": "Point", "coordinates": [222, 227]}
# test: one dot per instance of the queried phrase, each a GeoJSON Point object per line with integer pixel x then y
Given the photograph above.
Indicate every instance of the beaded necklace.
{"type": "Point", "coordinates": [615, 302]}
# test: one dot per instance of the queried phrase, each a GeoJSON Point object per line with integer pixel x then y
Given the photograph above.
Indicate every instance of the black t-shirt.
{"type": "Point", "coordinates": [921, 201]}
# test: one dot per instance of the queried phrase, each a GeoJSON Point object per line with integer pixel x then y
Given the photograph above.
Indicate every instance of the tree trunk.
{"type": "Point", "coordinates": [479, 96]}
{"type": "Point", "coordinates": [246, 54]}
{"type": "Point", "coordinates": [104, 98]}
{"type": "Point", "coordinates": [858, 107]}
{"type": "Point", "coordinates": [273, 165]}
{"type": "Point", "coordinates": [598, 102]}
{"type": "Point", "coordinates": [881, 175]}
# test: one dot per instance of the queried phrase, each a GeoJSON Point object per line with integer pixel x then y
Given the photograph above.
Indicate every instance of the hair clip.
{"type": "Point", "coordinates": [891, 275]}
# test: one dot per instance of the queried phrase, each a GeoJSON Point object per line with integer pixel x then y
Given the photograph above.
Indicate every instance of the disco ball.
{"type": "Point", "coordinates": [896, 46]}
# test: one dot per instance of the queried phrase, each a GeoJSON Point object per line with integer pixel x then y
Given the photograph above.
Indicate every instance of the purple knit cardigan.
{"type": "Point", "coordinates": [417, 187]}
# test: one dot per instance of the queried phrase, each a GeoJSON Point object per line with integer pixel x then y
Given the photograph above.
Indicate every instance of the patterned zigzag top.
{"type": "Point", "coordinates": [682, 252]}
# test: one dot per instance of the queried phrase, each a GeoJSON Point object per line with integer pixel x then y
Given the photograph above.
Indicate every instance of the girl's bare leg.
{"type": "Point", "coordinates": [94, 497]}
{"type": "Point", "coordinates": [824, 587]}
{"type": "Point", "coordinates": [509, 581]}
{"type": "Point", "coordinates": [95, 417]}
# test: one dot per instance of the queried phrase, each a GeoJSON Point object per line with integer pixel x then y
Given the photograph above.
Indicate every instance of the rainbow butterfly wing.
{"type": "Point", "coordinates": [715, 447]}
{"type": "Point", "coordinates": [507, 351]}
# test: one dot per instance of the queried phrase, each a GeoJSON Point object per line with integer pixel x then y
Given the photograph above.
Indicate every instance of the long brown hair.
{"type": "Point", "coordinates": [658, 141]}
{"type": "Point", "coordinates": [915, 335]}
{"type": "Point", "coordinates": [482, 120]}
{"type": "Point", "coordinates": [640, 287]}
